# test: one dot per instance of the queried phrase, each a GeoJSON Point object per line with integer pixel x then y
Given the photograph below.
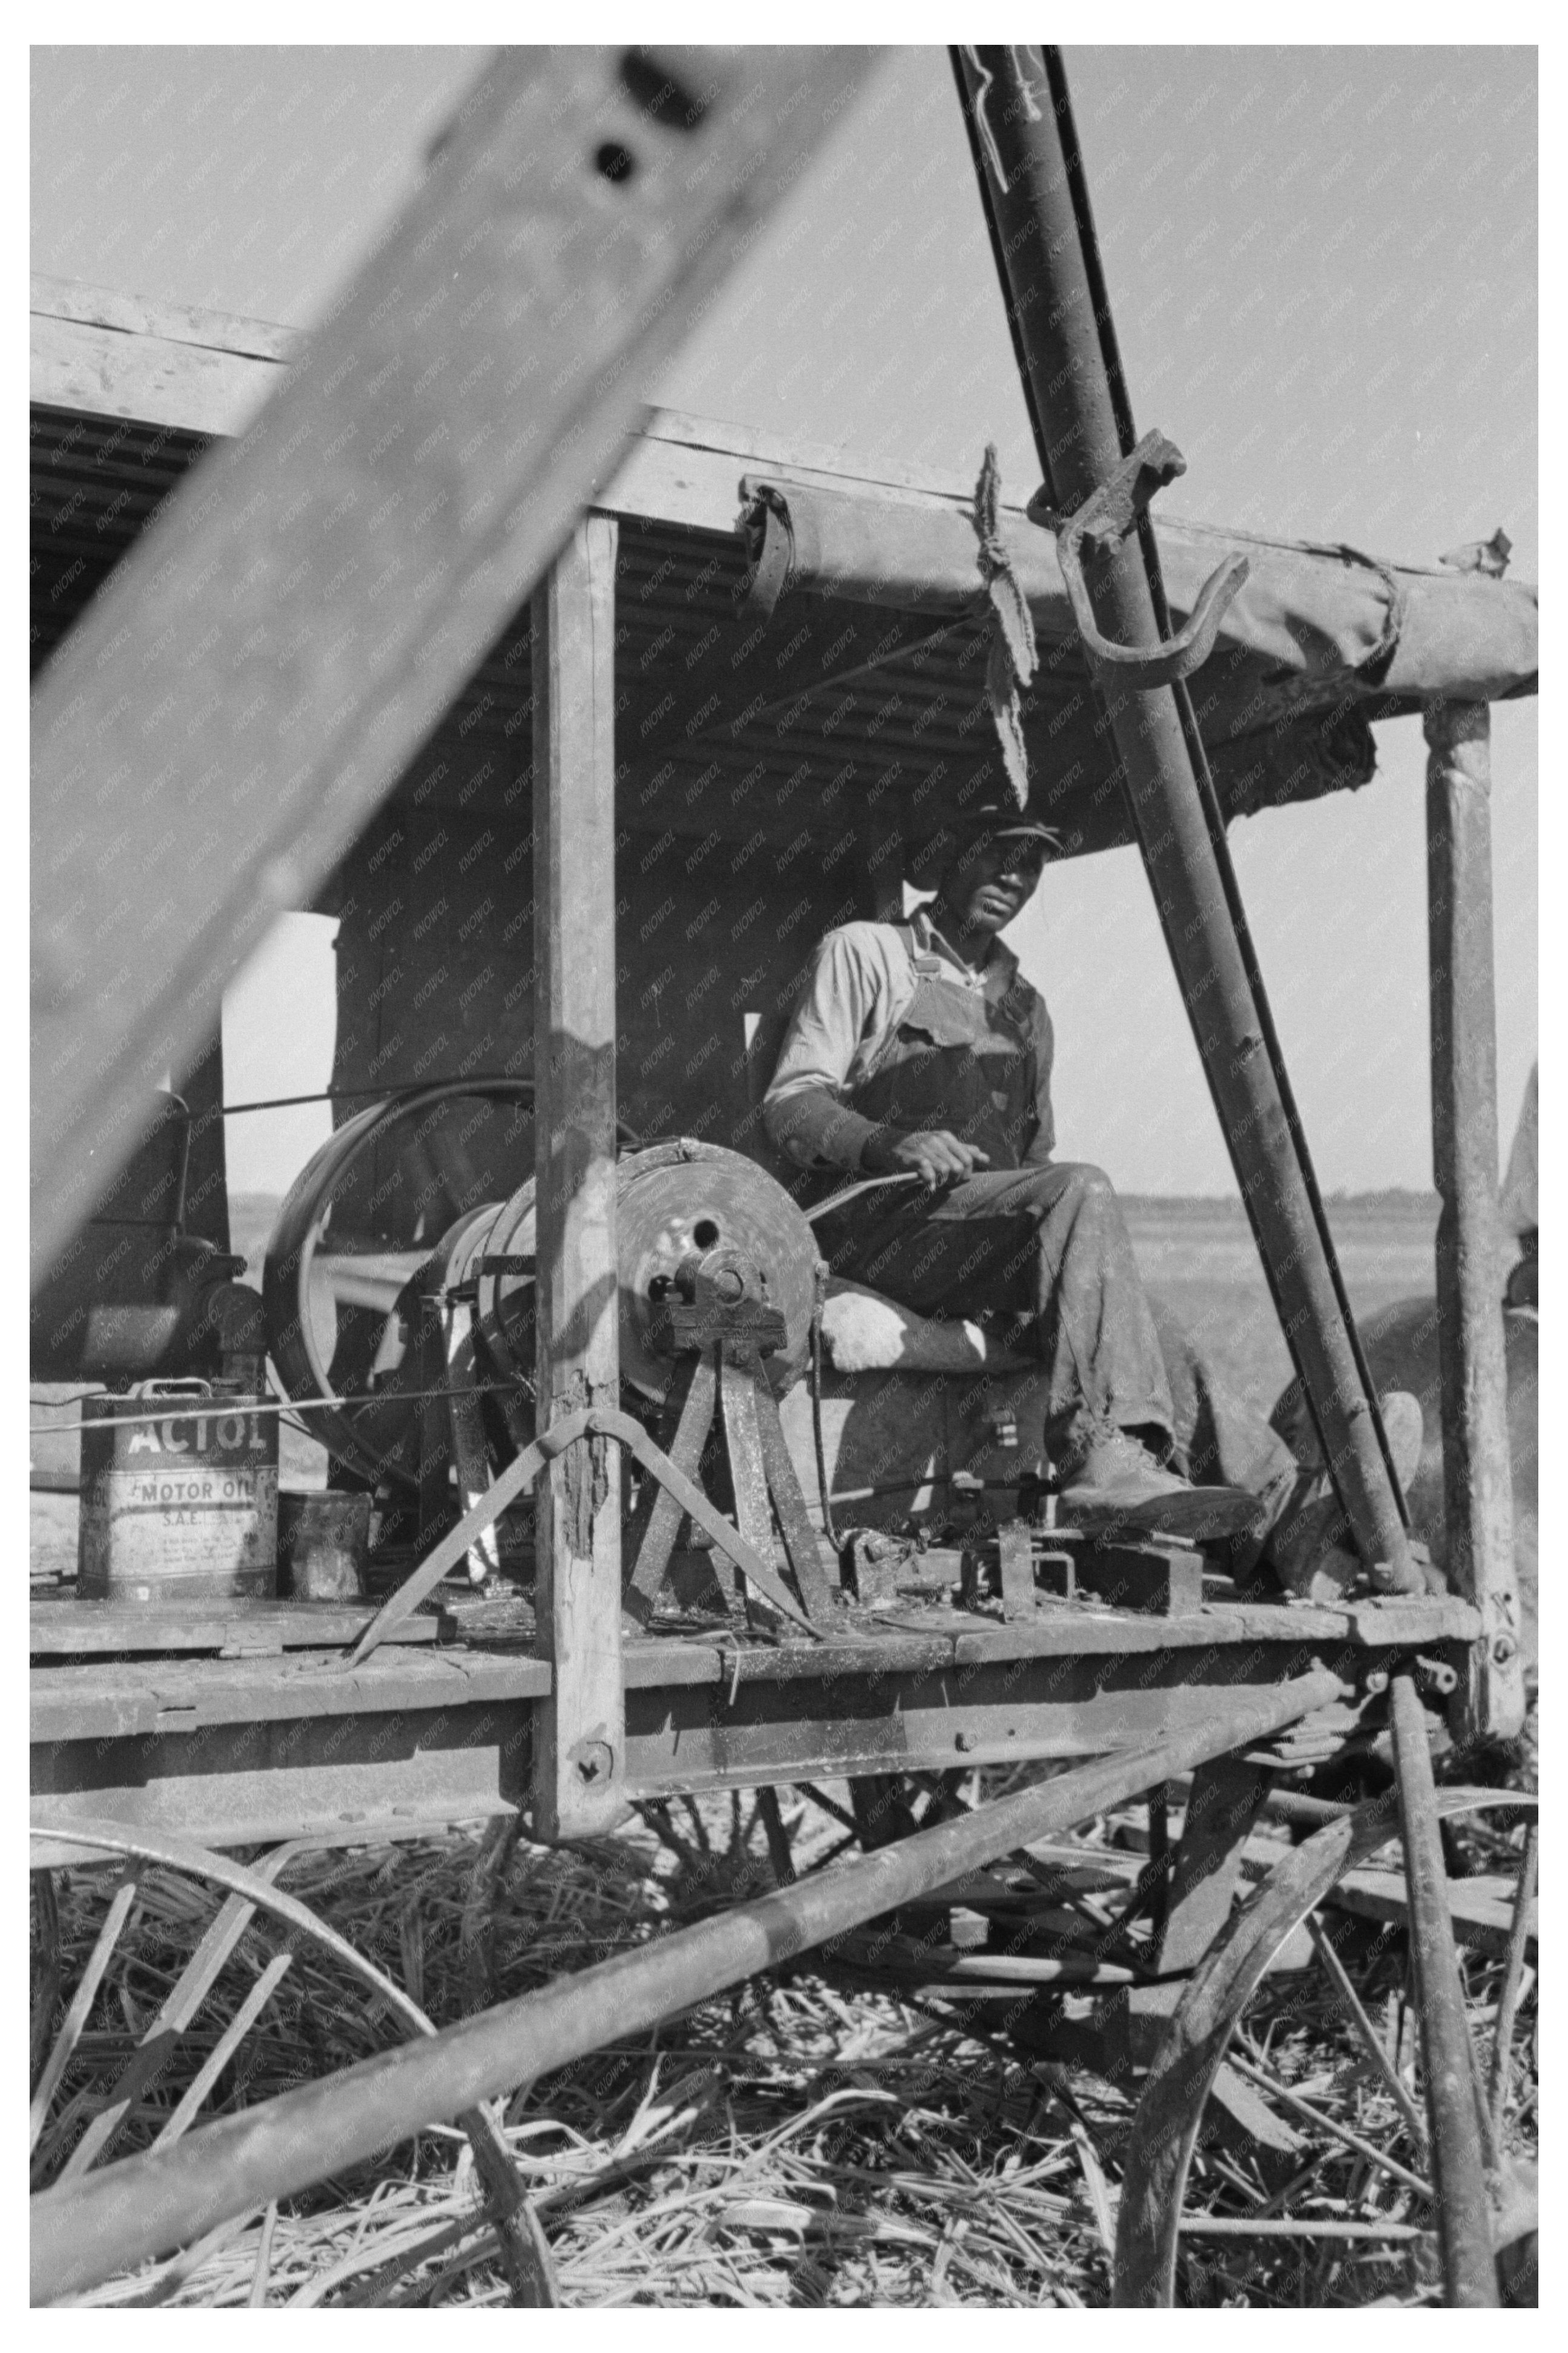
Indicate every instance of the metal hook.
{"type": "Point", "coordinates": [1105, 521]}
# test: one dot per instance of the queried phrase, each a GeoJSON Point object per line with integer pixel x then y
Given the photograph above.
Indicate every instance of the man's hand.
{"type": "Point", "coordinates": [935, 1154]}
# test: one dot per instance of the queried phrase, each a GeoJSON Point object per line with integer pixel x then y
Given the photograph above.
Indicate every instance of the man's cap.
{"type": "Point", "coordinates": [993, 820]}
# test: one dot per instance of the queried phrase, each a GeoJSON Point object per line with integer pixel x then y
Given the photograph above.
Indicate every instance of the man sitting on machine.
{"type": "Point", "coordinates": [918, 1051]}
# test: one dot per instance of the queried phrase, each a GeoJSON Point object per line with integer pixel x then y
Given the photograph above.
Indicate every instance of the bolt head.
{"type": "Point", "coordinates": [593, 1760]}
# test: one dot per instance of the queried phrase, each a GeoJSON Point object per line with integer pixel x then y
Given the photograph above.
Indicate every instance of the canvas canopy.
{"type": "Point", "coordinates": [1320, 640]}
{"type": "Point", "coordinates": [848, 698]}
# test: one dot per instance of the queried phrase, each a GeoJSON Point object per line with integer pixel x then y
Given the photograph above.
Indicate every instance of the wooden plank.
{"type": "Point", "coordinates": [74, 1629]}
{"type": "Point", "coordinates": [1222, 1804]}
{"type": "Point", "coordinates": [1477, 1493]}
{"type": "Point", "coordinates": [1480, 1909]}
{"type": "Point", "coordinates": [580, 1753]}
{"type": "Point", "coordinates": [255, 678]}
{"type": "Point", "coordinates": [687, 470]}
{"type": "Point", "coordinates": [104, 373]}
{"type": "Point", "coordinates": [171, 322]}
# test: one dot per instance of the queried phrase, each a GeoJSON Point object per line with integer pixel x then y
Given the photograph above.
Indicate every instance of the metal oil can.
{"type": "Point", "coordinates": [179, 1495]}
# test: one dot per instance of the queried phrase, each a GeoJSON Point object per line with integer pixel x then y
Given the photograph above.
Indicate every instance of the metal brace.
{"type": "Point", "coordinates": [1104, 521]}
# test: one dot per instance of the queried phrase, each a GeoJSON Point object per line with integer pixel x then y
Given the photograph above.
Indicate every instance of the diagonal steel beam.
{"type": "Point", "coordinates": [169, 2196]}
{"type": "Point", "coordinates": [1025, 155]}
{"type": "Point", "coordinates": [251, 683]}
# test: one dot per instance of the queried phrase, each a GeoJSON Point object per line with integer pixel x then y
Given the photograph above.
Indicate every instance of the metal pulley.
{"type": "Point", "coordinates": [683, 1201]}
{"type": "Point", "coordinates": [681, 1207]}
{"type": "Point", "coordinates": [677, 1204]}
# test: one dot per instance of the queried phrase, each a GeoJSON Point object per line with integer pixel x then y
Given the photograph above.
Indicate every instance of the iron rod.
{"type": "Point", "coordinates": [1241, 2226]}
{"type": "Point", "coordinates": [1514, 1977]}
{"type": "Point", "coordinates": [1023, 131]}
{"type": "Point", "coordinates": [147, 2204]}
{"type": "Point", "coordinates": [1458, 2166]}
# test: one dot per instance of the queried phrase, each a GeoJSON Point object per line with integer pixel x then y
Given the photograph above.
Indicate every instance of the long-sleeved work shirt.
{"type": "Point", "coordinates": [861, 984]}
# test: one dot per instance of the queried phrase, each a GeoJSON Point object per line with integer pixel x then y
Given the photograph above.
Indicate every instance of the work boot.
{"type": "Point", "coordinates": [1308, 1541]}
{"type": "Point", "coordinates": [1114, 1482]}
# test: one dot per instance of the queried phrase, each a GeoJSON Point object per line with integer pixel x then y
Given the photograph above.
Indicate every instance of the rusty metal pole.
{"type": "Point", "coordinates": [1025, 155]}
{"type": "Point", "coordinates": [84, 2231]}
{"type": "Point", "coordinates": [1458, 2163]}
{"type": "Point", "coordinates": [1477, 1493]}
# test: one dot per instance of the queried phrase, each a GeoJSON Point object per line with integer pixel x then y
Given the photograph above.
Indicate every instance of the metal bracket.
{"type": "Point", "coordinates": [771, 546]}
{"type": "Point", "coordinates": [1103, 522]}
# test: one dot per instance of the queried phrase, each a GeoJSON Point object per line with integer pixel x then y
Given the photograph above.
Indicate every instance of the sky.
{"type": "Point", "coordinates": [1322, 264]}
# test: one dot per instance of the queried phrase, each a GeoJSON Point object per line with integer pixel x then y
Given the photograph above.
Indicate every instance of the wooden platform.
{"type": "Point", "coordinates": [66, 1627]}
{"type": "Point", "coordinates": [255, 1744]}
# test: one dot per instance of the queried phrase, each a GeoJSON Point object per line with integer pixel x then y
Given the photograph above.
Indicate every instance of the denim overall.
{"type": "Point", "coordinates": [1041, 1253]}
{"type": "Point", "coordinates": [958, 1061]}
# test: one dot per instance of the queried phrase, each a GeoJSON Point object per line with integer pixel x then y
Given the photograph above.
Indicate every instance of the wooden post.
{"type": "Point", "coordinates": [580, 1751]}
{"type": "Point", "coordinates": [1477, 1498]}
{"type": "Point", "coordinates": [254, 678]}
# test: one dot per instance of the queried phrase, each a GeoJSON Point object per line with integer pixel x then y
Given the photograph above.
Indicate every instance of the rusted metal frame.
{"type": "Point", "coordinates": [1166, 2129]}
{"type": "Point", "coordinates": [698, 1507]}
{"type": "Point", "coordinates": [76, 2017]}
{"type": "Point", "coordinates": [428, 1736]}
{"type": "Point", "coordinates": [511, 1482]}
{"type": "Point", "coordinates": [196, 1980]}
{"type": "Point", "coordinates": [223, 2049]}
{"type": "Point", "coordinates": [410, 1762]}
{"type": "Point", "coordinates": [519, 1476]}
{"type": "Point", "coordinates": [1453, 2104]}
{"type": "Point", "coordinates": [140, 2207]}
{"type": "Point", "coordinates": [1371, 2041]}
{"type": "Point", "coordinates": [522, 2251]}
{"type": "Point", "coordinates": [579, 1751]}
{"type": "Point", "coordinates": [1022, 131]}
{"type": "Point", "coordinates": [1477, 1494]}
{"type": "Point", "coordinates": [1220, 843]}
{"type": "Point", "coordinates": [256, 677]}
